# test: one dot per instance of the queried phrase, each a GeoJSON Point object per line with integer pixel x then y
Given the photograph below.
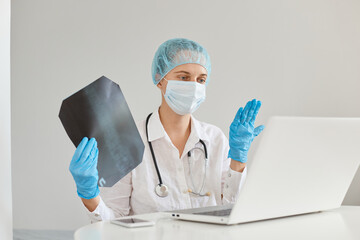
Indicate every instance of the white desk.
{"type": "Point", "coordinates": [342, 223]}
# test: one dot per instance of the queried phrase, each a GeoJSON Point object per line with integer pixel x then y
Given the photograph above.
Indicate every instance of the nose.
{"type": "Point", "coordinates": [193, 79]}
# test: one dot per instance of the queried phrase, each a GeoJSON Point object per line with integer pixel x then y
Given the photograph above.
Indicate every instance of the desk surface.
{"type": "Point", "coordinates": [342, 223]}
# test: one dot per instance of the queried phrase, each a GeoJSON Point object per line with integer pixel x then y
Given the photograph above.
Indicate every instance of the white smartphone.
{"type": "Point", "coordinates": [133, 222]}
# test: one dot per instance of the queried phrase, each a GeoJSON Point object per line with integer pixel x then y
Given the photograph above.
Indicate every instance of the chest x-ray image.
{"type": "Point", "coordinates": [100, 111]}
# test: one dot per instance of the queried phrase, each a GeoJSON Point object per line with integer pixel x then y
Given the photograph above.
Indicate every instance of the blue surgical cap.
{"type": "Point", "coordinates": [175, 52]}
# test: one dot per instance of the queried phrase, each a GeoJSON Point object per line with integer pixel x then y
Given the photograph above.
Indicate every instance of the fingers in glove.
{"type": "Point", "coordinates": [258, 105]}
{"type": "Point", "coordinates": [96, 157]}
{"type": "Point", "coordinates": [91, 163]}
{"type": "Point", "coordinates": [237, 117]}
{"type": "Point", "coordinates": [93, 151]}
{"type": "Point", "coordinates": [258, 130]}
{"type": "Point", "coordinates": [85, 154]}
{"type": "Point", "coordinates": [80, 149]}
{"type": "Point", "coordinates": [251, 110]}
{"type": "Point", "coordinates": [238, 114]}
{"type": "Point", "coordinates": [244, 113]}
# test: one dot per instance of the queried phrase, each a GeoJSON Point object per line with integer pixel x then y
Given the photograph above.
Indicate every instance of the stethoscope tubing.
{"type": "Point", "coordinates": [160, 186]}
{"type": "Point", "coordinates": [152, 150]}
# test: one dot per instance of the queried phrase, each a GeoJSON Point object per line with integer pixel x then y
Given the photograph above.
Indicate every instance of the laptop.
{"type": "Point", "coordinates": [302, 165]}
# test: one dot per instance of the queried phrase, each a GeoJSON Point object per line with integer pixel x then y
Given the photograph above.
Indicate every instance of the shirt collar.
{"type": "Point", "coordinates": [198, 130]}
{"type": "Point", "coordinates": [156, 129]}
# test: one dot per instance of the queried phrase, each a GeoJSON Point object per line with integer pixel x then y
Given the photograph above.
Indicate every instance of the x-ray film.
{"type": "Point", "coordinates": [100, 110]}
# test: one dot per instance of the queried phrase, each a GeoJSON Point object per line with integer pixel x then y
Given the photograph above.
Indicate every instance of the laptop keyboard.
{"type": "Point", "coordinates": [220, 213]}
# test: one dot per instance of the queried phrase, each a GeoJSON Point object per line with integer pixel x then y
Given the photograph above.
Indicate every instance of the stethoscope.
{"type": "Point", "coordinates": [161, 189]}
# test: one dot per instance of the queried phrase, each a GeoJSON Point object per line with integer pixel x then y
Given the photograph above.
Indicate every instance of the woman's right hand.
{"type": "Point", "coordinates": [83, 168]}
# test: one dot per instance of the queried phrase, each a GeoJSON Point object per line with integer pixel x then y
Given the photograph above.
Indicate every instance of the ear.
{"type": "Point", "coordinates": [157, 76]}
{"type": "Point", "coordinates": [160, 84]}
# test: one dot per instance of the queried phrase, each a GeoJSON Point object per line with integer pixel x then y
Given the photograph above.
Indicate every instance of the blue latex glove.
{"type": "Point", "coordinates": [243, 132]}
{"type": "Point", "coordinates": [83, 168]}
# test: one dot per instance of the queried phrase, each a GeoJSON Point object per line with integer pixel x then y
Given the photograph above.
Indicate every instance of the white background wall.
{"type": "Point", "coordinates": [5, 125]}
{"type": "Point", "coordinates": [300, 57]}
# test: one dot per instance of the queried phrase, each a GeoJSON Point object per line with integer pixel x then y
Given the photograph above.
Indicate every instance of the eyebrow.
{"type": "Point", "coordinates": [189, 73]}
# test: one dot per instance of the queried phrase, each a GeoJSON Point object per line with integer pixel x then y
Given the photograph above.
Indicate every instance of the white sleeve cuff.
{"type": "Point", "coordinates": [233, 183]}
{"type": "Point", "coordinates": [102, 212]}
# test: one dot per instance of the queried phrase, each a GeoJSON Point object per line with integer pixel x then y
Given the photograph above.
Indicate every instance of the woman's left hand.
{"type": "Point", "coordinates": [243, 132]}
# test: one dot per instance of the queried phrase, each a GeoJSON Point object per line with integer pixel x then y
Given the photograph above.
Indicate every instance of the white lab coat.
{"type": "Point", "coordinates": [135, 194]}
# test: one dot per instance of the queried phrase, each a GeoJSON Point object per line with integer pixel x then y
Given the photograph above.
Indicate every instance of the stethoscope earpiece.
{"type": "Point", "coordinates": [199, 194]}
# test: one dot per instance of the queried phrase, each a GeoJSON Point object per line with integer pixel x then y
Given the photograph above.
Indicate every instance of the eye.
{"type": "Point", "coordinates": [201, 80]}
{"type": "Point", "coordinates": [183, 78]}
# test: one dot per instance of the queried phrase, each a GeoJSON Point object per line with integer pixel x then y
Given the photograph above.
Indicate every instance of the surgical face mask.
{"type": "Point", "coordinates": [184, 97]}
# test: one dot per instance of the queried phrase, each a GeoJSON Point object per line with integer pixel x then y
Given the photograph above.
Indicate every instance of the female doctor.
{"type": "Point", "coordinates": [186, 163]}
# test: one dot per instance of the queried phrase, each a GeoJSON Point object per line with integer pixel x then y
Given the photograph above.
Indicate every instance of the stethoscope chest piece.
{"type": "Point", "coordinates": [161, 190]}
